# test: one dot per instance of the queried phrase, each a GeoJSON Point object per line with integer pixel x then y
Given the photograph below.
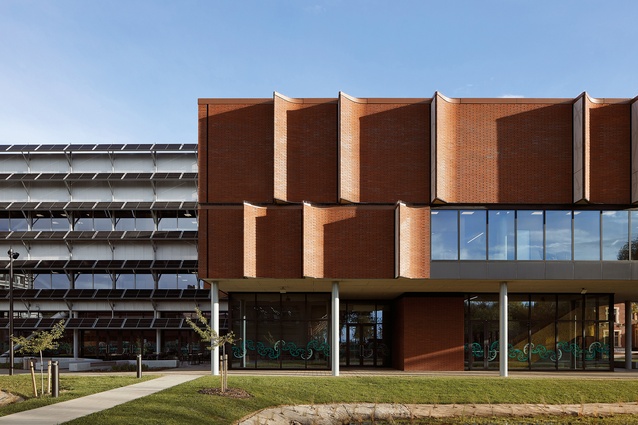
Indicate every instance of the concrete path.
{"type": "Point", "coordinates": [68, 410]}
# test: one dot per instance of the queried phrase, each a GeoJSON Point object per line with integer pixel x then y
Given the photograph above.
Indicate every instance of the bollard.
{"type": "Point", "coordinates": [49, 377]}
{"type": "Point", "coordinates": [139, 365]}
{"type": "Point", "coordinates": [55, 371]}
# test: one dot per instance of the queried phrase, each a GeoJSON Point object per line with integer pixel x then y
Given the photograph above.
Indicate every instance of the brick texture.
{"type": "Point", "coordinates": [350, 113]}
{"type": "Point", "coordinates": [305, 150]}
{"type": "Point", "coordinates": [272, 241]}
{"type": "Point", "coordinates": [239, 154]}
{"type": "Point", "coordinates": [429, 333]}
{"type": "Point", "coordinates": [505, 153]}
{"type": "Point", "coordinates": [385, 151]}
{"type": "Point", "coordinates": [414, 241]}
{"type": "Point", "coordinates": [610, 153]}
{"type": "Point", "coordinates": [348, 242]}
{"type": "Point", "coordinates": [224, 257]}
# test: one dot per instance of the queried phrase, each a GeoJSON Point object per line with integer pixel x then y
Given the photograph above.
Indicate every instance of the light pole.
{"type": "Point", "coordinates": [12, 256]}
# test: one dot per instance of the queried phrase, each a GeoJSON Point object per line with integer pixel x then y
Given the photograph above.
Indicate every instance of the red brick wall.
{"type": "Point", "coordinates": [221, 242]}
{"type": "Point", "coordinates": [239, 156]}
{"type": "Point", "coordinates": [610, 153]}
{"type": "Point", "coordinates": [414, 241]}
{"type": "Point", "coordinates": [306, 150]}
{"type": "Point", "coordinates": [504, 152]}
{"type": "Point", "coordinates": [348, 242]}
{"type": "Point", "coordinates": [272, 241]}
{"type": "Point", "coordinates": [429, 333]}
{"type": "Point", "coordinates": [385, 151]}
{"type": "Point", "coordinates": [447, 122]}
{"type": "Point", "coordinates": [349, 166]}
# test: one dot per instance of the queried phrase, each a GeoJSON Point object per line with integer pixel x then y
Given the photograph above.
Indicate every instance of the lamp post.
{"type": "Point", "coordinates": [12, 256]}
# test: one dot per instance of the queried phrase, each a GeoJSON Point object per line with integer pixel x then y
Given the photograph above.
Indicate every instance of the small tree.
{"type": "Point", "coordinates": [208, 334]}
{"type": "Point", "coordinates": [39, 341]}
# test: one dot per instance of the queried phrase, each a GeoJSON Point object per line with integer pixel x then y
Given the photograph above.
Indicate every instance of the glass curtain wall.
{"type": "Point", "coordinates": [280, 331]}
{"type": "Point", "coordinates": [534, 235]}
{"type": "Point", "coordinates": [546, 332]}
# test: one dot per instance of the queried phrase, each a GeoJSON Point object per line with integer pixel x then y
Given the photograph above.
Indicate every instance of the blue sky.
{"type": "Point", "coordinates": [131, 71]}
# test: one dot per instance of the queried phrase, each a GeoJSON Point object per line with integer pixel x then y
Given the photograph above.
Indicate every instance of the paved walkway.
{"type": "Point", "coordinates": [68, 410]}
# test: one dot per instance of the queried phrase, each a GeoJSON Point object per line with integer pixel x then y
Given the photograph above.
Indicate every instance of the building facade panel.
{"type": "Point", "coordinates": [413, 241]}
{"type": "Point", "coordinates": [272, 242]}
{"type": "Point", "coordinates": [240, 153]}
{"type": "Point", "coordinates": [306, 150]}
{"type": "Point", "coordinates": [609, 130]}
{"type": "Point", "coordinates": [348, 242]}
{"type": "Point", "coordinates": [224, 257]}
{"type": "Point", "coordinates": [349, 149]}
{"type": "Point", "coordinates": [430, 333]}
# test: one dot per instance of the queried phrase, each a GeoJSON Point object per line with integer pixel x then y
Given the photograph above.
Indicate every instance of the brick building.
{"type": "Point", "coordinates": [412, 233]}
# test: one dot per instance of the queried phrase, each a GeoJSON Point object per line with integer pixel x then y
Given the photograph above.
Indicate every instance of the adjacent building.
{"type": "Point", "coordinates": [107, 241]}
{"type": "Point", "coordinates": [420, 234]}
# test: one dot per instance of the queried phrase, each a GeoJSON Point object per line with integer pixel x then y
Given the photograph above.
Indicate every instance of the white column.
{"type": "Point", "coordinates": [335, 329]}
{"type": "Point", "coordinates": [214, 316]}
{"type": "Point", "coordinates": [628, 335]}
{"type": "Point", "coordinates": [158, 337]}
{"type": "Point", "coordinates": [502, 329]}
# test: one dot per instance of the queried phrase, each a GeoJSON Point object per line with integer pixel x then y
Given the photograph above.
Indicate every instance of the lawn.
{"type": "Point", "coordinates": [71, 386]}
{"type": "Point", "coordinates": [184, 405]}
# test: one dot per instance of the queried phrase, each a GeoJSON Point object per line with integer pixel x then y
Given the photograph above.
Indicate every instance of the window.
{"type": "Point", "coordinates": [472, 232]}
{"type": "Point", "coordinates": [501, 235]}
{"type": "Point", "coordinates": [587, 235]}
{"type": "Point", "coordinates": [615, 238]}
{"type": "Point", "coordinates": [558, 243]}
{"type": "Point", "coordinates": [529, 235]}
{"type": "Point", "coordinates": [444, 235]}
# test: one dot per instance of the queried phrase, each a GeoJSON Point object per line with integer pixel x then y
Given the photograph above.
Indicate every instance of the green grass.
{"type": "Point", "coordinates": [71, 386]}
{"type": "Point", "coordinates": [183, 404]}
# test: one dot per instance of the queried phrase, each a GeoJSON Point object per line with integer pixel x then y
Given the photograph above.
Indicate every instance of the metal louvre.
{"type": "Point", "coordinates": [104, 206]}
{"type": "Point", "coordinates": [110, 294]}
{"type": "Point", "coordinates": [101, 147]}
{"type": "Point", "coordinates": [81, 323]}
{"type": "Point", "coordinates": [83, 177]}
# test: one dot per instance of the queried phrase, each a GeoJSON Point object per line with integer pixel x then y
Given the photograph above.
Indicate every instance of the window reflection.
{"type": "Point", "coordinates": [586, 235]}
{"type": "Point", "coordinates": [633, 246]}
{"type": "Point", "coordinates": [615, 235]}
{"type": "Point", "coordinates": [501, 235]}
{"type": "Point", "coordinates": [535, 235]}
{"type": "Point", "coordinates": [530, 235]}
{"type": "Point", "coordinates": [559, 235]}
{"type": "Point", "coordinates": [444, 235]}
{"type": "Point", "coordinates": [472, 235]}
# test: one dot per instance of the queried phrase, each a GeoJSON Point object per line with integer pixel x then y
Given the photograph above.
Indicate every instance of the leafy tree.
{"type": "Point", "coordinates": [39, 341]}
{"type": "Point", "coordinates": [208, 334]}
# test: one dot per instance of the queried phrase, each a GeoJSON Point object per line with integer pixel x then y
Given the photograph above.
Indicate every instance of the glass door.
{"type": "Point", "coordinates": [483, 350]}
{"type": "Point", "coordinates": [364, 337]}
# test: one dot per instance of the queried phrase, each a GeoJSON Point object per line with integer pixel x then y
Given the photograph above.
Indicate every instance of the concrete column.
{"type": "Point", "coordinates": [334, 354]}
{"type": "Point", "coordinates": [214, 316]}
{"type": "Point", "coordinates": [158, 337]}
{"type": "Point", "coordinates": [76, 343]}
{"type": "Point", "coordinates": [628, 335]}
{"type": "Point", "coordinates": [76, 337]}
{"type": "Point", "coordinates": [502, 329]}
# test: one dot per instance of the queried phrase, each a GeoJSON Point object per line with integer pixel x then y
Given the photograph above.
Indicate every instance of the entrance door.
{"type": "Point", "coordinates": [361, 345]}
{"type": "Point", "coordinates": [483, 350]}
{"type": "Point", "coordinates": [364, 346]}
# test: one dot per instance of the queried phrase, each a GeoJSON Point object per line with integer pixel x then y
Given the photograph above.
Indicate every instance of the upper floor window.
{"type": "Point", "coordinates": [534, 235]}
